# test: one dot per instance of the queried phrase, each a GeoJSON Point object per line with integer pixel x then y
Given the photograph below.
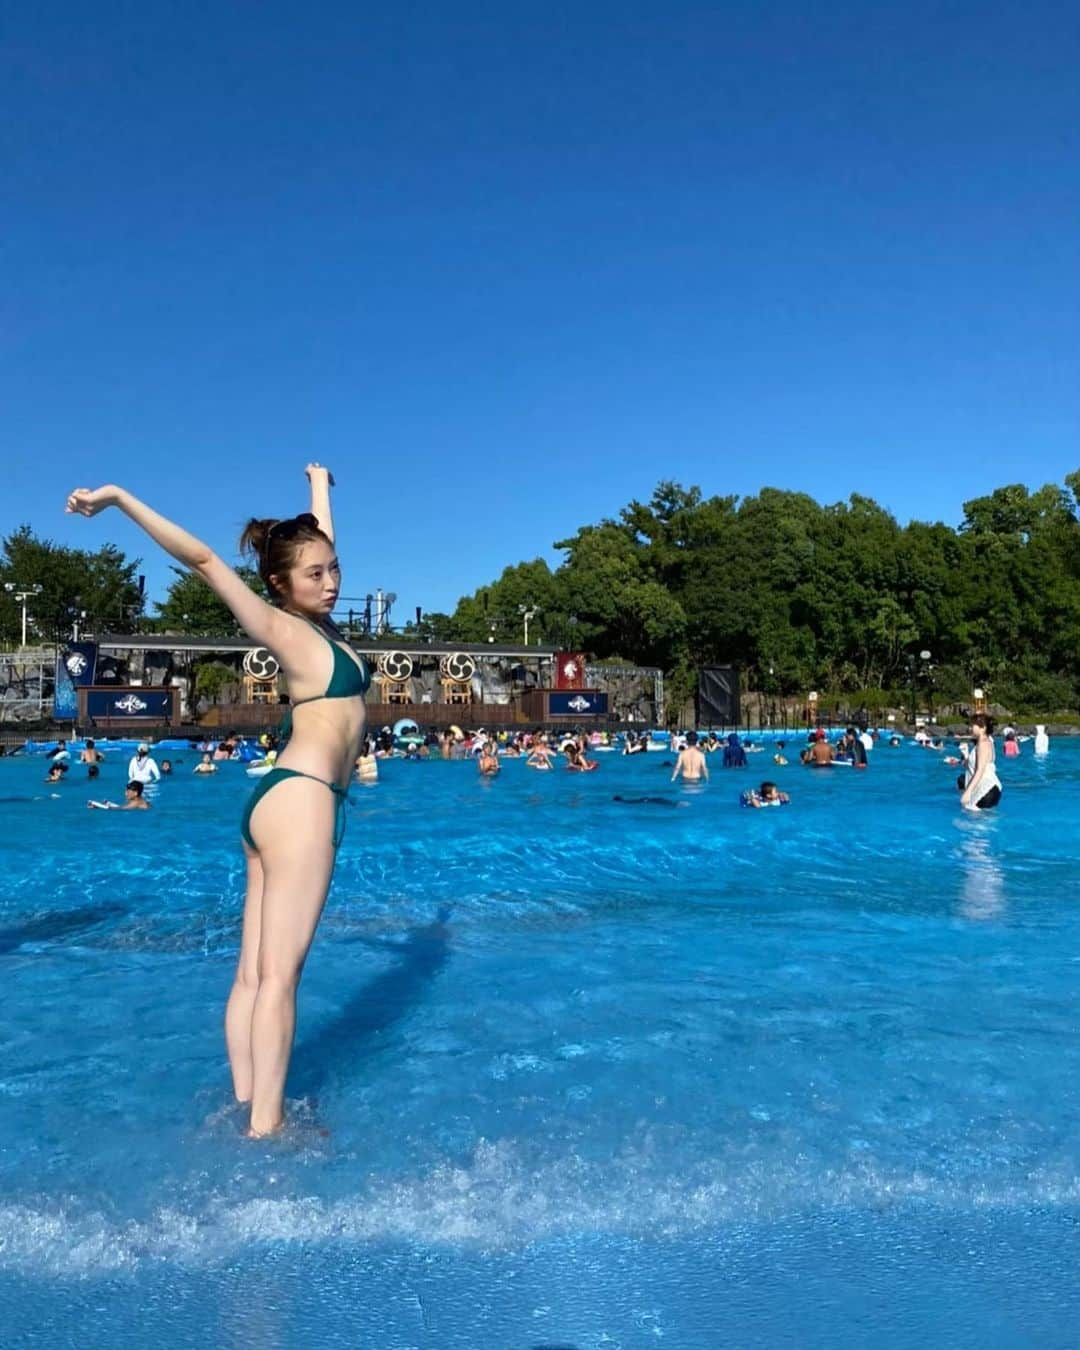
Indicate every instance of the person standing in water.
{"type": "Point", "coordinates": [292, 826]}
{"type": "Point", "coordinates": [142, 768]}
{"type": "Point", "coordinates": [979, 784]}
{"type": "Point", "coordinates": [691, 764]}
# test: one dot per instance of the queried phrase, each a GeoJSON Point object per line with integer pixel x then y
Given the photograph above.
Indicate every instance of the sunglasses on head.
{"type": "Point", "coordinates": [285, 529]}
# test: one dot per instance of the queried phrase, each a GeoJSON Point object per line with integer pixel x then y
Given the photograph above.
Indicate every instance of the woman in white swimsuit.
{"type": "Point", "coordinates": [979, 784]}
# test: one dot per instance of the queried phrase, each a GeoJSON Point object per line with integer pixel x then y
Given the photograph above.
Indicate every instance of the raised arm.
{"type": "Point", "coordinates": [321, 480]}
{"type": "Point", "coordinates": [259, 620]}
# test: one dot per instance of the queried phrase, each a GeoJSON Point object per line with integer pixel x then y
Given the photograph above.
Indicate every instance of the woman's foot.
{"type": "Point", "coordinates": [252, 1133]}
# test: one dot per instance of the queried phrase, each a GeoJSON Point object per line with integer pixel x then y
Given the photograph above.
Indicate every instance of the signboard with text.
{"type": "Point", "coordinates": [577, 703]}
{"type": "Point", "coordinates": [120, 704]}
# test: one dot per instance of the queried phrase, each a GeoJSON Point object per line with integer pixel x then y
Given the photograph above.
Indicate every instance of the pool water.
{"type": "Point", "coordinates": [570, 1072]}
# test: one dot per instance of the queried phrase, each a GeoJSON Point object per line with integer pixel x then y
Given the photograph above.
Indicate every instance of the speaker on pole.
{"type": "Point", "coordinates": [718, 696]}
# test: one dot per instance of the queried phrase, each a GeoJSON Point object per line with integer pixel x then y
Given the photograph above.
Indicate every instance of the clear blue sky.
{"type": "Point", "coordinates": [504, 266]}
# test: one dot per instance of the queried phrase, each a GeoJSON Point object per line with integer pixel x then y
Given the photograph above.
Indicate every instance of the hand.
{"type": "Point", "coordinates": [89, 501]}
{"type": "Point", "coordinates": [315, 470]}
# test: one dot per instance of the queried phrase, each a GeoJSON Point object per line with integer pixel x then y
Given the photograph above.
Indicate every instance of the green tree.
{"type": "Point", "coordinates": [190, 606]}
{"type": "Point", "coordinates": [802, 594]}
{"type": "Point", "coordinates": [103, 583]}
{"type": "Point", "coordinates": [212, 678]}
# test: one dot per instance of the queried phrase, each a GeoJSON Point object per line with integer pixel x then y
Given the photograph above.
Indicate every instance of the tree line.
{"type": "Point", "coordinates": [803, 595]}
{"type": "Point", "coordinates": [799, 594]}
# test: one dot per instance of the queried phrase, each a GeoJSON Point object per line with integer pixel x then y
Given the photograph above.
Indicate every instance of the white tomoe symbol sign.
{"type": "Point", "coordinates": [579, 704]}
{"type": "Point", "coordinates": [76, 663]}
{"type": "Point", "coordinates": [130, 704]}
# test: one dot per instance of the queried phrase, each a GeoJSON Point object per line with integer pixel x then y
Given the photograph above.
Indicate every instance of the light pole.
{"type": "Point", "coordinates": [21, 596]}
{"type": "Point", "coordinates": [78, 618]}
{"type": "Point", "coordinates": [917, 666]}
{"type": "Point", "coordinates": [528, 612]}
{"type": "Point", "coordinates": [927, 673]}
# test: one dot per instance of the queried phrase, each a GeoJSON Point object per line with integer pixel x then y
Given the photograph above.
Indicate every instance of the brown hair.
{"type": "Point", "coordinates": [983, 720]}
{"type": "Point", "coordinates": [275, 544]}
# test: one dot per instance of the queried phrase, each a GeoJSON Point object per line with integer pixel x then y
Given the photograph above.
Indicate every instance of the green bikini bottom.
{"type": "Point", "coordinates": [271, 780]}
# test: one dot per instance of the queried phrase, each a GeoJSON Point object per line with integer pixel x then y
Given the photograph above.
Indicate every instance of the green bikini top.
{"type": "Point", "coordinates": [347, 679]}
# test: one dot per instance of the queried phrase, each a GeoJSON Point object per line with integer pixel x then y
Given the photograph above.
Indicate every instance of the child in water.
{"type": "Point", "coordinates": [766, 795]}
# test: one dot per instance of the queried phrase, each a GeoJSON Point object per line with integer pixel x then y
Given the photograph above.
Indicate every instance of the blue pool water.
{"type": "Point", "coordinates": [570, 1073]}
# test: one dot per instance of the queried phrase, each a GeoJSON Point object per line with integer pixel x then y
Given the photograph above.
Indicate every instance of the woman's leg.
{"type": "Point", "coordinates": [241, 1002]}
{"type": "Point", "coordinates": [293, 827]}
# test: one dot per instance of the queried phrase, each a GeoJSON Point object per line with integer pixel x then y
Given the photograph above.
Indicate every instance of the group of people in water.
{"type": "Point", "coordinates": [978, 782]}
{"type": "Point", "coordinates": [142, 770]}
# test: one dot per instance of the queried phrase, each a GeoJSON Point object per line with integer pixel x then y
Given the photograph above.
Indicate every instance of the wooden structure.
{"type": "Point", "coordinates": [260, 691]}
{"type": "Point", "coordinates": [393, 691]}
{"type": "Point", "coordinates": [248, 717]}
{"type": "Point", "coordinates": [456, 692]}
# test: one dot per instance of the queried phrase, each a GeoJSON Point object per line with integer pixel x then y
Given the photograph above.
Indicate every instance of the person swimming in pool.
{"type": "Point", "coordinates": [820, 754]}
{"type": "Point", "coordinates": [540, 753]}
{"type": "Point", "coordinates": [133, 800]}
{"type": "Point", "coordinates": [577, 759]}
{"type": "Point", "coordinates": [206, 764]}
{"type": "Point", "coordinates": [766, 795]}
{"type": "Point", "coordinates": [293, 823]}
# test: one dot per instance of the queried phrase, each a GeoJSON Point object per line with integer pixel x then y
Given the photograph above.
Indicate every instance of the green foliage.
{"type": "Point", "coordinates": [212, 678]}
{"type": "Point", "coordinates": [804, 595]}
{"type": "Point", "coordinates": [103, 583]}
{"type": "Point", "coordinates": [190, 606]}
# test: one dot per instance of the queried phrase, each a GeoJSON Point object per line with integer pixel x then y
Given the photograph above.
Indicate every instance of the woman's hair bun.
{"type": "Point", "coordinates": [254, 536]}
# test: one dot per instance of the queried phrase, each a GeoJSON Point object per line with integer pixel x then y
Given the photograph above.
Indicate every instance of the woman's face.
{"type": "Point", "coordinates": [314, 580]}
{"type": "Point", "coordinates": [977, 732]}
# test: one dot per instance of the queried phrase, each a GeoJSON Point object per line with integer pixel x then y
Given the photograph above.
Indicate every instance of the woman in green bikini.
{"type": "Point", "coordinates": [294, 821]}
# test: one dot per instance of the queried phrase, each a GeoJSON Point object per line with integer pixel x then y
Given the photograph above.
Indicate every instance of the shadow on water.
{"type": "Point", "coordinates": [60, 924]}
{"type": "Point", "coordinates": [334, 1046]}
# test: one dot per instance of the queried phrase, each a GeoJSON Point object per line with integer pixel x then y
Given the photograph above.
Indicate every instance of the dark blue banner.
{"type": "Point", "coordinates": [155, 703]}
{"type": "Point", "coordinates": [76, 663]}
{"type": "Point", "coordinates": [80, 662]}
{"type": "Point", "coordinates": [577, 703]}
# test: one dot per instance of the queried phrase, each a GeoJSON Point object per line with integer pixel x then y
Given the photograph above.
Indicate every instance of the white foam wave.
{"type": "Point", "coordinates": [496, 1202]}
